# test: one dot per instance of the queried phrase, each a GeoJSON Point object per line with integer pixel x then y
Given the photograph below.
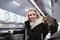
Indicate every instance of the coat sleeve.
{"type": "Point", "coordinates": [53, 28]}
{"type": "Point", "coordinates": [21, 31]}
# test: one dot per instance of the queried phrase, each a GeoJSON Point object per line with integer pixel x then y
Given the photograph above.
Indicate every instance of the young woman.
{"type": "Point", "coordinates": [36, 29]}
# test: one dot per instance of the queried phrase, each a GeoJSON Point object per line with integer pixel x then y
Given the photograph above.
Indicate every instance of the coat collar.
{"type": "Point", "coordinates": [39, 21]}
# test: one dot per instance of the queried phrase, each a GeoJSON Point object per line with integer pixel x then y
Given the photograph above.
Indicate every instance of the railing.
{"type": "Point", "coordinates": [5, 26]}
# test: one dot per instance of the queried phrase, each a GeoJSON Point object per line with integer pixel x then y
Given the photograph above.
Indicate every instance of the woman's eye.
{"type": "Point", "coordinates": [34, 14]}
{"type": "Point", "coordinates": [30, 15]}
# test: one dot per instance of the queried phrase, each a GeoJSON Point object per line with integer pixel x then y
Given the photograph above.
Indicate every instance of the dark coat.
{"type": "Point", "coordinates": [35, 33]}
{"type": "Point", "coordinates": [53, 27]}
{"type": "Point", "coordinates": [55, 36]}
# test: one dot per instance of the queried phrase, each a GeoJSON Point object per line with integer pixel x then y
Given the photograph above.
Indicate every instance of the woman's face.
{"type": "Point", "coordinates": [32, 16]}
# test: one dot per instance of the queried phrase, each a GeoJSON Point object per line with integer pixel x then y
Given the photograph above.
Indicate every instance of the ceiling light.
{"type": "Point", "coordinates": [16, 3]}
{"type": "Point", "coordinates": [26, 9]}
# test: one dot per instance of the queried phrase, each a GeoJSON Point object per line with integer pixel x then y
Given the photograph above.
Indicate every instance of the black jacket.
{"type": "Point", "coordinates": [53, 28]}
{"type": "Point", "coordinates": [55, 36]}
{"type": "Point", "coordinates": [36, 33]}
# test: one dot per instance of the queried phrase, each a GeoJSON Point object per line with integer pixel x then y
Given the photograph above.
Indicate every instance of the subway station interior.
{"type": "Point", "coordinates": [13, 15]}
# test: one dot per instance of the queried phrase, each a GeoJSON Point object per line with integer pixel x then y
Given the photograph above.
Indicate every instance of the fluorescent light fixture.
{"type": "Point", "coordinates": [26, 9]}
{"type": "Point", "coordinates": [37, 7]}
{"type": "Point", "coordinates": [16, 3]}
{"type": "Point", "coordinates": [50, 4]}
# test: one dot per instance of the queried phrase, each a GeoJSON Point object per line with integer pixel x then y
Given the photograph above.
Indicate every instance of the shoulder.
{"type": "Point", "coordinates": [41, 24]}
{"type": "Point", "coordinates": [44, 25]}
{"type": "Point", "coordinates": [26, 22]}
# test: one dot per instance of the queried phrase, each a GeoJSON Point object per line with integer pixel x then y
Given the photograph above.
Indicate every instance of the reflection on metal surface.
{"type": "Point", "coordinates": [35, 3]}
{"type": "Point", "coordinates": [7, 16]}
{"type": "Point", "coordinates": [15, 18]}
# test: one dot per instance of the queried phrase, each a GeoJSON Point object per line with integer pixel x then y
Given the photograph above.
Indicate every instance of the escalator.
{"type": "Point", "coordinates": [16, 27]}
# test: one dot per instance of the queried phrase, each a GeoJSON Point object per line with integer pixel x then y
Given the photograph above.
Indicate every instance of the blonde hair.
{"type": "Point", "coordinates": [38, 15]}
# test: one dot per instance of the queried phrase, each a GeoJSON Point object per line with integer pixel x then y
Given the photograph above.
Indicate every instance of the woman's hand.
{"type": "Point", "coordinates": [10, 31]}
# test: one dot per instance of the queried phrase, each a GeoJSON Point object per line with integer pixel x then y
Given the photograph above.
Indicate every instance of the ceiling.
{"type": "Point", "coordinates": [25, 4]}
{"type": "Point", "coordinates": [10, 6]}
{"type": "Point", "coordinates": [21, 10]}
